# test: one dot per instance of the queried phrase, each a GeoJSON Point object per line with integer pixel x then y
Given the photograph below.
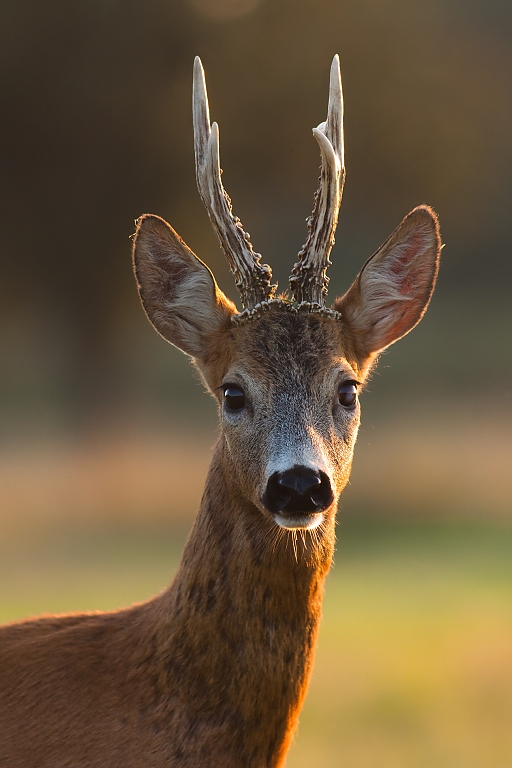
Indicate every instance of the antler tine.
{"type": "Point", "coordinates": [252, 278]}
{"type": "Point", "coordinates": [308, 280]}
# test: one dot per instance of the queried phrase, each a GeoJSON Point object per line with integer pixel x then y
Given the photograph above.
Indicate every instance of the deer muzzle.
{"type": "Point", "coordinates": [297, 497]}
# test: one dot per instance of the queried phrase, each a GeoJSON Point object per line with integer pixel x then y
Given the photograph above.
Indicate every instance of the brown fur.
{"type": "Point", "coordinates": [213, 671]}
{"type": "Point", "coordinates": [189, 678]}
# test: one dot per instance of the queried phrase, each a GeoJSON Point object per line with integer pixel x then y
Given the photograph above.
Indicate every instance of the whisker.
{"type": "Point", "coordinates": [278, 536]}
{"type": "Point", "coordinates": [304, 546]}
{"type": "Point", "coordinates": [272, 537]}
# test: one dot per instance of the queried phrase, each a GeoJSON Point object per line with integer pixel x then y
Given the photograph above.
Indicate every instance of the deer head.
{"type": "Point", "coordinates": [286, 373]}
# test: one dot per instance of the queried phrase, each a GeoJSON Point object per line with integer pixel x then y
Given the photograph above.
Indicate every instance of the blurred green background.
{"type": "Point", "coordinates": [105, 433]}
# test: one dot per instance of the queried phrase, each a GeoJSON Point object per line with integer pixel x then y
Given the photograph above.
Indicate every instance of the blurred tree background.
{"type": "Point", "coordinates": [103, 424]}
{"type": "Point", "coordinates": [96, 129]}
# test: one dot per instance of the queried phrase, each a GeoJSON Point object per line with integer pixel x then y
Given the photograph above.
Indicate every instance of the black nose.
{"type": "Point", "coordinates": [298, 490]}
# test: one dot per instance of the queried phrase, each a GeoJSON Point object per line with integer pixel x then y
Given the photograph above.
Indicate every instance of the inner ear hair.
{"type": "Point", "coordinates": [392, 291]}
{"type": "Point", "coordinates": [178, 291]}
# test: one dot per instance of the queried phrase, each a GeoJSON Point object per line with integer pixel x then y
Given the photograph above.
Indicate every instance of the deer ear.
{"type": "Point", "coordinates": [178, 292]}
{"type": "Point", "coordinates": [393, 289]}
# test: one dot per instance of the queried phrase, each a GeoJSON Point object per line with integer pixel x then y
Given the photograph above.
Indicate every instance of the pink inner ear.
{"type": "Point", "coordinates": [172, 270]}
{"type": "Point", "coordinates": [401, 265]}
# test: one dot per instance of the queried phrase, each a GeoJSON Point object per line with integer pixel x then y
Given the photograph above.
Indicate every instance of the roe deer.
{"type": "Point", "coordinates": [213, 671]}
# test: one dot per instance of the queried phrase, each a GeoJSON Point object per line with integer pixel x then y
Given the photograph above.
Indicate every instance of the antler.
{"type": "Point", "coordinates": [308, 280]}
{"type": "Point", "coordinates": [252, 278]}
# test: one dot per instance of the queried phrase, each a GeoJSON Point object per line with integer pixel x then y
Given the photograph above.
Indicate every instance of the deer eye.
{"type": "Point", "coordinates": [347, 394]}
{"type": "Point", "coordinates": [234, 397]}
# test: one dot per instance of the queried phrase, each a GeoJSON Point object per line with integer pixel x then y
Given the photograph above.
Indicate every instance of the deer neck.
{"type": "Point", "coordinates": [243, 614]}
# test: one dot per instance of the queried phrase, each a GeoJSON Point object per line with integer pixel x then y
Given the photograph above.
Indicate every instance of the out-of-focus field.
{"type": "Point", "coordinates": [414, 666]}
{"type": "Point", "coordinates": [409, 464]}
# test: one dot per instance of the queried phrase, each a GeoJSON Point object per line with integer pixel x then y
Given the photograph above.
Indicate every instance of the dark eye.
{"type": "Point", "coordinates": [347, 393]}
{"type": "Point", "coordinates": [234, 397]}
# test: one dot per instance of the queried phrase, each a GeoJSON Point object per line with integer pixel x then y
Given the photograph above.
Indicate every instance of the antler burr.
{"type": "Point", "coordinates": [308, 281]}
{"type": "Point", "coordinates": [252, 278]}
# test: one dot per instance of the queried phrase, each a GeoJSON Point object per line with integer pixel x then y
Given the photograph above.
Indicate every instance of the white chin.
{"type": "Point", "coordinates": [304, 522]}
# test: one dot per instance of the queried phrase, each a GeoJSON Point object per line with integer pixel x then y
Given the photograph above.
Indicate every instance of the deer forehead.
{"type": "Point", "coordinates": [282, 350]}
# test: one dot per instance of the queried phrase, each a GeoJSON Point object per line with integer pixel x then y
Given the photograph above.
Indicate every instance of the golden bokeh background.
{"type": "Point", "coordinates": [105, 433]}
